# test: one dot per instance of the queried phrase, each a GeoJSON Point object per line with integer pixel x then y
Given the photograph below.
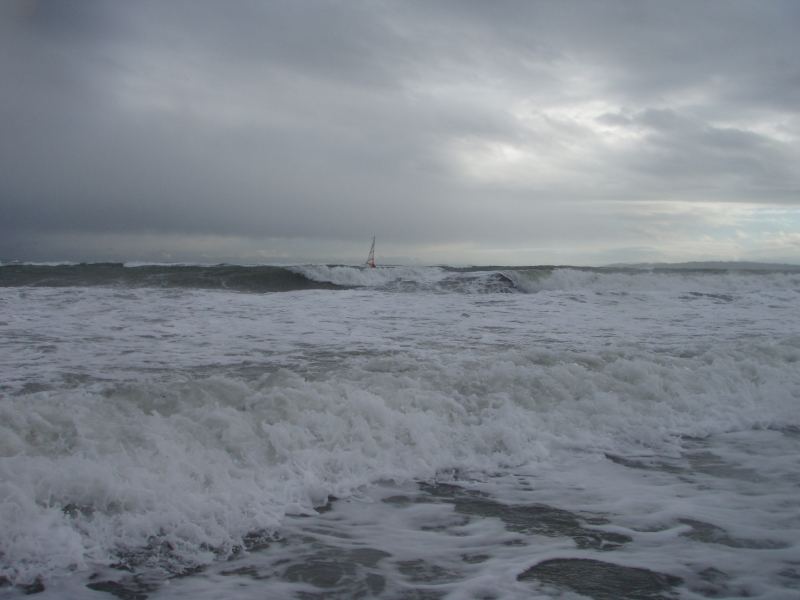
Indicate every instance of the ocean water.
{"type": "Point", "coordinates": [178, 431]}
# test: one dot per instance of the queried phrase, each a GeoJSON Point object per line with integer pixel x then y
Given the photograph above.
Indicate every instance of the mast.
{"type": "Point", "coordinates": [371, 258]}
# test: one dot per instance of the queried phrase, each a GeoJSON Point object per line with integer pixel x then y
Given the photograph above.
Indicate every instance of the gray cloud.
{"type": "Point", "coordinates": [510, 125]}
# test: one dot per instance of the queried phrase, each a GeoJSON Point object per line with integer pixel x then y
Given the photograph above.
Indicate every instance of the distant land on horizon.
{"type": "Point", "coordinates": [691, 265]}
{"type": "Point", "coordinates": [712, 264]}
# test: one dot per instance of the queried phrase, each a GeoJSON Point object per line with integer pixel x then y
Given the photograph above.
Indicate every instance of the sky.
{"type": "Point", "coordinates": [462, 132]}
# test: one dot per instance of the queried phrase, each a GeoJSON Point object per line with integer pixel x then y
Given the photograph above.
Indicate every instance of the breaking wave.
{"type": "Point", "coordinates": [179, 473]}
{"type": "Point", "coordinates": [474, 280]}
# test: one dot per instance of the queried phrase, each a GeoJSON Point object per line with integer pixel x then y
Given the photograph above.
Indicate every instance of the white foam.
{"type": "Point", "coordinates": [197, 417]}
{"type": "Point", "coordinates": [379, 277]}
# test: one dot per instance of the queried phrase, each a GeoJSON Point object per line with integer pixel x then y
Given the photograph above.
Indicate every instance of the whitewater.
{"type": "Point", "coordinates": [323, 431]}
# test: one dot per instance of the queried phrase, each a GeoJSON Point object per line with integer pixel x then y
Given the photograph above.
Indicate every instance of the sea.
{"type": "Point", "coordinates": [411, 433]}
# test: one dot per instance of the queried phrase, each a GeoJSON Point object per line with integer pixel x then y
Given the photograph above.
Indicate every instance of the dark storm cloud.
{"type": "Point", "coordinates": [321, 164]}
{"type": "Point", "coordinates": [467, 122]}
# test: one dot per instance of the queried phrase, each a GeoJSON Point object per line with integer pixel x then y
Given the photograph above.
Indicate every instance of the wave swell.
{"type": "Point", "coordinates": [225, 277]}
{"type": "Point", "coordinates": [473, 280]}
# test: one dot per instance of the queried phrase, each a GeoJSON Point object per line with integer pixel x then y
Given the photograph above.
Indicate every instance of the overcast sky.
{"type": "Point", "coordinates": [508, 132]}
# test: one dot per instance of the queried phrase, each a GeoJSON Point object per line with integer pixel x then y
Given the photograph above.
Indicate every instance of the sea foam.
{"type": "Point", "coordinates": [169, 428]}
